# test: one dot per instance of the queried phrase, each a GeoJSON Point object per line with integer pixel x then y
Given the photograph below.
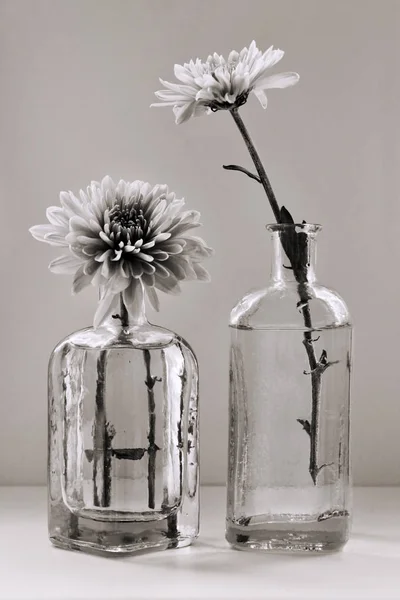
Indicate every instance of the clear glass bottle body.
{"type": "Point", "coordinates": [123, 439]}
{"type": "Point", "coordinates": [288, 475]}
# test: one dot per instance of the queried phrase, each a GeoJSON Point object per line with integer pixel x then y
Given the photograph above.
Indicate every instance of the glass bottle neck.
{"type": "Point", "coordinates": [303, 251]}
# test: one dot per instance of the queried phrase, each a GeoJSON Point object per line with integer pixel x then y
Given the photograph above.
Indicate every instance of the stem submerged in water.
{"type": "Point", "coordinates": [315, 388]}
{"type": "Point", "coordinates": [152, 448]}
{"type": "Point", "coordinates": [124, 313]}
{"type": "Point", "coordinates": [103, 434]}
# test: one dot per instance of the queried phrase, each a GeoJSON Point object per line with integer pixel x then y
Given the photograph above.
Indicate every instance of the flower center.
{"type": "Point", "coordinates": [128, 224]}
{"type": "Point", "coordinates": [215, 105]}
{"type": "Point", "coordinates": [127, 217]}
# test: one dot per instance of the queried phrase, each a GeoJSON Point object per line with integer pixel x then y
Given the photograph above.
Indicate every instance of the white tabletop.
{"type": "Point", "coordinates": [369, 567]}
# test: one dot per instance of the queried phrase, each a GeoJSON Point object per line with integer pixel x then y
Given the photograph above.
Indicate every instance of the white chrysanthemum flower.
{"type": "Point", "coordinates": [125, 237]}
{"type": "Point", "coordinates": [220, 84]}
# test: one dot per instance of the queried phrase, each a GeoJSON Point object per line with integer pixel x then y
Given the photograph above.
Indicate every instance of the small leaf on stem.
{"type": "Point", "coordinates": [305, 424]}
{"type": "Point", "coordinates": [286, 217]}
{"type": "Point", "coordinates": [242, 170]}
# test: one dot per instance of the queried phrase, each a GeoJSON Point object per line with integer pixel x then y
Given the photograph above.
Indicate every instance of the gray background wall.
{"type": "Point", "coordinates": [77, 78]}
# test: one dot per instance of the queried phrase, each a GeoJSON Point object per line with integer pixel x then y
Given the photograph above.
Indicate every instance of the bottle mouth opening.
{"type": "Point", "coordinates": [305, 227]}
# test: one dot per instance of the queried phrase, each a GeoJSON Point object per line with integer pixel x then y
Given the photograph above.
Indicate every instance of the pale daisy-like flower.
{"type": "Point", "coordinates": [223, 84]}
{"type": "Point", "coordinates": [125, 238]}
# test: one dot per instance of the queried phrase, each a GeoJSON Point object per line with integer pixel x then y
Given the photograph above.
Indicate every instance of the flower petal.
{"type": "Point", "coordinates": [280, 80]}
{"type": "Point", "coordinates": [183, 74]}
{"type": "Point", "coordinates": [272, 56]}
{"type": "Point", "coordinates": [106, 239]}
{"type": "Point", "coordinates": [101, 257]}
{"type": "Point", "coordinates": [201, 272]}
{"type": "Point", "coordinates": [261, 97]}
{"type": "Point", "coordinates": [196, 248]}
{"type": "Point", "coordinates": [133, 297]}
{"type": "Point", "coordinates": [148, 268]}
{"type": "Point", "coordinates": [160, 255]}
{"type": "Point", "coordinates": [161, 270]}
{"type": "Point", "coordinates": [176, 269]}
{"type": "Point", "coordinates": [169, 285]}
{"type": "Point", "coordinates": [107, 185]}
{"type": "Point", "coordinates": [183, 113]}
{"type": "Point", "coordinates": [79, 225]}
{"type": "Point", "coordinates": [70, 203]}
{"type": "Point", "coordinates": [91, 266]}
{"type": "Point", "coordinates": [172, 248]}
{"type": "Point", "coordinates": [52, 234]}
{"type": "Point", "coordinates": [145, 257]}
{"type": "Point", "coordinates": [153, 298]}
{"type": "Point", "coordinates": [136, 268]}
{"type": "Point", "coordinates": [81, 280]}
{"type": "Point", "coordinates": [57, 216]}
{"type": "Point", "coordinates": [103, 309]}
{"type": "Point", "coordinates": [65, 265]}
{"type": "Point", "coordinates": [118, 254]}
{"type": "Point", "coordinates": [148, 280]}
{"type": "Point", "coordinates": [147, 245]}
{"type": "Point", "coordinates": [162, 237]}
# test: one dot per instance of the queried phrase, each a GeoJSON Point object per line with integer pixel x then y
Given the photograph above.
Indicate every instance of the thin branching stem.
{"type": "Point", "coordinates": [242, 170]}
{"type": "Point", "coordinates": [257, 163]}
{"type": "Point", "coordinates": [317, 368]}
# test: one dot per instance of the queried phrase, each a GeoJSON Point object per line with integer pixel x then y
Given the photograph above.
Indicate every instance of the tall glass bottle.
{"type": "Point", "coordinates": [123, 437]}
{"type": "Point", "coordinates": [288, 476]}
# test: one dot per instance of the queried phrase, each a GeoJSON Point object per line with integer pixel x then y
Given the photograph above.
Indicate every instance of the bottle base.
{"type": "Point", "coordinates": [117, 538]}
{"type": "Point", "coordinates": [122, 549]}
{"type": "Point", "coordinates": [290, 537]}
{"type": "Point", "coordinates": [289, 547]}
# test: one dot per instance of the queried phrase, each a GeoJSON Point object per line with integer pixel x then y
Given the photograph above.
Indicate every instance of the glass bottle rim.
{"type": "Point", "coordinates": [306, 227]}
